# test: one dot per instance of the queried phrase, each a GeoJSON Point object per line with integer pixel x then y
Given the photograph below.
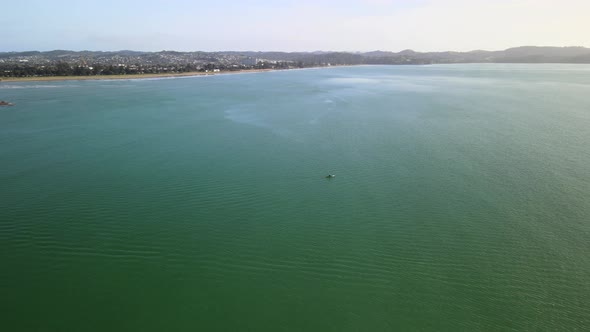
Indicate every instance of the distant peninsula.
{"type": "Point", "coordinates": [62, 64]}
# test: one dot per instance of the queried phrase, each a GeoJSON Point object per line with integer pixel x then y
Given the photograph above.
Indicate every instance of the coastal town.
{"type": "Point", "coordinates": [68, 63]}
{"type": "Point", "coordinates": [61, 63]}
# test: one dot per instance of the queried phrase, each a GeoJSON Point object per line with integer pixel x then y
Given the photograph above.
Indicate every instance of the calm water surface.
{"type": "Point", "coordinates": [461, 201]}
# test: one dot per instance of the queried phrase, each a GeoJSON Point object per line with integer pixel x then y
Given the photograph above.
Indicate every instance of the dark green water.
{"type": "Point", "coordinates": [461, 201]}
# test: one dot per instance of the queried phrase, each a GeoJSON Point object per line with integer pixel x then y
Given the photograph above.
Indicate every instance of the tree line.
{"type": "Point", "coordinates": [66, 69]}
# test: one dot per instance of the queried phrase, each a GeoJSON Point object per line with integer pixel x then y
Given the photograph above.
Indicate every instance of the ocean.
{"type": "Point", "coordinates": [461, 201]}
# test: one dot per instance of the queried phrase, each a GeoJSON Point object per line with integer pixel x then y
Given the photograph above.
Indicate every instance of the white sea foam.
{"type": "Point", "coordinates": [35, 86]}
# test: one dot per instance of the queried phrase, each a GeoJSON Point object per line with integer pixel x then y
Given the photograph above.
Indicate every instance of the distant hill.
{"type": "Point", "coordinates": [525, 54]}
{"type": "Point", "coordinates": [536, 54]}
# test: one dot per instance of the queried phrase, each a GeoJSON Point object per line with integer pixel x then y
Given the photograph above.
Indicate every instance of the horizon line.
{"type": "Point", "coordinates": [315, 51]}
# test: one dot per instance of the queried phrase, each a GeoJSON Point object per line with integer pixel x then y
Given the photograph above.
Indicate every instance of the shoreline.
{"type": "Point", "coordinates": [122, 77]}
{"type": "Point", "coordinates": [139, 76]}
{"type": "Point", "coordinates": [227, 72]}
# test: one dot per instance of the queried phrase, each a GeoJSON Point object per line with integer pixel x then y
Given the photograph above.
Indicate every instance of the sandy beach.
{"type": "Point", "coordinates": [128, 77]}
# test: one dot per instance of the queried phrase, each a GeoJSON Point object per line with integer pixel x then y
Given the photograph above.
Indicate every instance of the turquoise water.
{"type": "Point", "coordinates": [461, 201]}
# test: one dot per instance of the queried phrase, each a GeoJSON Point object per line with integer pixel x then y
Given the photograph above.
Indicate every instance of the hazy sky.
{"type": "Point", "coordinates": [290, 25]}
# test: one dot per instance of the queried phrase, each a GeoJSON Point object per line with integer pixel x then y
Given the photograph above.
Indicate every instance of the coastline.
{"type": "Point", "coordinates": [125, 77]}
{"type": "Point", "coordinates": [137, 76]}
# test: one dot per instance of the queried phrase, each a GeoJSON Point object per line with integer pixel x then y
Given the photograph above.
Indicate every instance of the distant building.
{"type": "Point", "coordinates": [249, 61]}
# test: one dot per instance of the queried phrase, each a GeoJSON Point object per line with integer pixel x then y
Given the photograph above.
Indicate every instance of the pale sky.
{"type": "Point", "coordinates": [290, 25]}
